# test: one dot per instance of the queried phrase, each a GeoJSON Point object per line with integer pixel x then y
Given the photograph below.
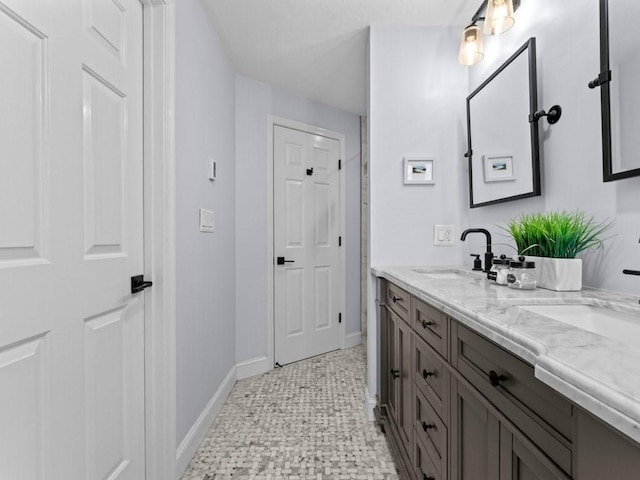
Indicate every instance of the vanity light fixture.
{"type": "Point", "coordinates": [499, 18]}
{"type": "Point", "coordinates": [553, 115]}
{"type": "Point", "coordinates": [471, 46]}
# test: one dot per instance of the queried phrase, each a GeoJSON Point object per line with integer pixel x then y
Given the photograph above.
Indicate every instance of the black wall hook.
{"type": "Point", "coordinates": [553, 115]}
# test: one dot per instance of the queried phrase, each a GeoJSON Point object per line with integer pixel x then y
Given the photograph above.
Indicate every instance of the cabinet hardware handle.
{"type": "Point", "coordinates": [397, 299]}
{"type": "Point", "coordinates": [426, 426]}
{"type": "Point", "coordinates": [425, 477]}
{"type": "Point", "coordinates": [495, 379]}
{"type": "Point", "coordinates": [395, 373]}
{"type": "Point", "coordinates": [426, 374]}
{"type": "Point", "coordinates": [426, 324]}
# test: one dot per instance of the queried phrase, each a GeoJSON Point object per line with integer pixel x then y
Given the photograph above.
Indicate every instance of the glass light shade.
{"type": "Point", "coordinates": [471, 46]}
{"type": "Point", "coordinates": [499, 17]}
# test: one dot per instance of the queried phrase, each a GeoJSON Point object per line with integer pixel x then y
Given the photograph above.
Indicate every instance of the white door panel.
{"type": "Point", "coordinates": [306, 231]}
{"type": "Point", "coordinates": [71, 219]}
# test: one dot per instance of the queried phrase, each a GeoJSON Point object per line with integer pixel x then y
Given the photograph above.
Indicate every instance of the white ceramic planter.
{"type": "Point", "coordinates": [559, 274]}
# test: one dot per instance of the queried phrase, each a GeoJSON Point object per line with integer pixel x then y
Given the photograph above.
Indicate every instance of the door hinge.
{"type": "Point", "coordinates": [340, 318]}
{"type": "Point", "coordinates": [339, 164]}
{"type": "Point", "coordinates": [339, 241]}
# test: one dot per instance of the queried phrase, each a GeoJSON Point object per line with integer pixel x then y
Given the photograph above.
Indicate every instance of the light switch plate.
{"type": "Point", "coordinates": [207, 221]}
{"type": "Point", "coordinates": [443, 235]}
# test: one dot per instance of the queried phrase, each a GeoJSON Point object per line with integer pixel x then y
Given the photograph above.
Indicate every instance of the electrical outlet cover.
{"type": "Point", "coordinates": [443, 235]}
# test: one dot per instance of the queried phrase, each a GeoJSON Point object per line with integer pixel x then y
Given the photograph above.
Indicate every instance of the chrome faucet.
{"type": "Point", "coordinates": [488, 256]}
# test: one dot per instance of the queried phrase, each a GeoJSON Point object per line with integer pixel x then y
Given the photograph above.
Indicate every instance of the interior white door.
{"type": "Point", "coordinates": [71, 219]}
{"type": "Point", "coordinates": [306, 235]}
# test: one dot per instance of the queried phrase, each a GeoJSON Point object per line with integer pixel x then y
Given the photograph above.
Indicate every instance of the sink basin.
{"type": "Point", "coordinates": [442, 274]}
{"type": "Point", "coordinates": [622, 326]}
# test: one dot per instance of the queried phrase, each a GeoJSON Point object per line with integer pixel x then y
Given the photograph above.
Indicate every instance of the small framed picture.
{"type": "Point", "coordinates": [498, 167]}
{"type": "Point", "coordinates": [418, 170]}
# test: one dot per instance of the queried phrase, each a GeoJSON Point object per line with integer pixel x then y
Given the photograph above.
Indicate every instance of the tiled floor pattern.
{"type": "Point", "coordinates": [304, 421]}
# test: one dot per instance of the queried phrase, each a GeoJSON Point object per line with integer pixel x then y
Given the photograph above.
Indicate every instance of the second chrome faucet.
{"type": "Point", "coordinates": [488, 256]}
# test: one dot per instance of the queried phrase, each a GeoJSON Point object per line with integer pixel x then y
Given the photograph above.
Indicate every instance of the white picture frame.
{"type": "Point", "coordinates": [419, 170]}
{"type": "Point", "coordinates": [498, 167]}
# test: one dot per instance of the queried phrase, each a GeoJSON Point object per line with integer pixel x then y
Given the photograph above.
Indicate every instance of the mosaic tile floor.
{"type": "Point", "coordinates": [304, 421]}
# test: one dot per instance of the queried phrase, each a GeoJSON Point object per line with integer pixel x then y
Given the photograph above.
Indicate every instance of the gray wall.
{"type": "Point", "coordinates": [416, 107]}
{"type": "Point", "coordinates": [254, 101]}
{"type": "Point", "coordinates": [205, 127]}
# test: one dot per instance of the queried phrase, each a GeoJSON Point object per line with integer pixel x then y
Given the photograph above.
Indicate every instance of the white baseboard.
{"type": "Point", "coordinates": [252, 367]}
{"type": "Point", "coordinates": [189, 446]}
{"type": "Point", "coordinates": [352, 339]}
{"type": "Point", "coordinates": [369, 404]}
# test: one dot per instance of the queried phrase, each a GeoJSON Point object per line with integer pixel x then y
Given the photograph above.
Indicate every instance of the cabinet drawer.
{"type": "Point", "coordinates": [432, 433]}
{"type": "Point", "coordinates": [430, 376]}
{"type": "Point", "coordinates": [424, 466]}
{"type": "Point", "coordinates": [431, 325]}
{"type": "Point", "coordinates": [398, 300]}
{"type": "Point", "coordinates": [509, 383]}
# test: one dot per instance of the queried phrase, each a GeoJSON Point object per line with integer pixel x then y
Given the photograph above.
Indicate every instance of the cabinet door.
{"type": "Point", "coordinates": [405, 385]}
{"type": "Point", "coordinates": [475, 437]}
{"type": "Point", "coordinates": [603, 453]}
{"type": "Point", "coordinates": [393, 372]}
{"type": "Point", "coordinates": [522, 460]}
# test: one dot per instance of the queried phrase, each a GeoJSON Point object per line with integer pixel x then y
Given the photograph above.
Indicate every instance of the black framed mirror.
{"type": "Point", "coordinates": [502, 134]}
{"type": "Point", "coordinates": [618, 80]}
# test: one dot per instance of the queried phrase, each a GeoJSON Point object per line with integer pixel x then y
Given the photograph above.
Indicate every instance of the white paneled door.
{"type": "Point", "coordinates": [71, 220]}
{"type": "Point", "coordinates": [306, 242]}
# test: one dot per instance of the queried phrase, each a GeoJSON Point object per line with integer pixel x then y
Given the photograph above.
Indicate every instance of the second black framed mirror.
{"type": "Point", "coordinates": [618, 81]}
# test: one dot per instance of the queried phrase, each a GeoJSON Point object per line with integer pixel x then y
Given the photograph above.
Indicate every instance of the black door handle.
{"type": "Point", "coordinates": [138, 284]}
{"type": "Point", "coordinates": [282, 261]}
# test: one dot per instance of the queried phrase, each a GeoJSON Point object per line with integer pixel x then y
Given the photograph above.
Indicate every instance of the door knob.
{"type": "Point", "coordinates": [395, 373]}
{"type": "Point", "coordinates": [282, 261]}
{"type": "Point", "coordinates": [138, 284]}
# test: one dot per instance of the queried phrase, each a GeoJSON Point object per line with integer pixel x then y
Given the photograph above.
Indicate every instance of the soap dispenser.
{"type": "Point", "coordinates": [477, 263]}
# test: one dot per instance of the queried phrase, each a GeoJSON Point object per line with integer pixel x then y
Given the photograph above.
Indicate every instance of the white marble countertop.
{"type": "Point", "coordinates": [597, 373]}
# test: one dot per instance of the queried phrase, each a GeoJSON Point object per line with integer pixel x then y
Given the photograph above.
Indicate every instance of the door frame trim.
{"type": "Point", "coordinates": [273, 121]}
{"type": "Point", "coordinates": [159, 238]}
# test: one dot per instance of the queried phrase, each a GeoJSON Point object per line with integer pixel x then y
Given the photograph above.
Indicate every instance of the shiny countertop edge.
{"type": "Point", "coordinates": [612, 405]}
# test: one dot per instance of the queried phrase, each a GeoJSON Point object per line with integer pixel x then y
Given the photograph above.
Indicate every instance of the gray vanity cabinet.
{"type": "Point", "coordinates": [603, 453]}
{"type": "Point", "coordinates": [522, 460]}
{"type": "Point", "coordinates": [391, 371]}
{"type": "Point", "coordinates": [484, 447]}
{"type": "Point", "coordinates": [397, 372]}
{"type": "Point", "coordinates": [457, 406]}
{"type": "Point", "coordinates": [475, 436]}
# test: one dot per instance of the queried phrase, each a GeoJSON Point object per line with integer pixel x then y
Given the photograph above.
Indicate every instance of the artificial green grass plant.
{"type": "Point", "coordinates": [557, 234]}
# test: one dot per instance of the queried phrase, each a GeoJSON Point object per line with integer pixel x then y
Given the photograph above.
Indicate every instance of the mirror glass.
{"type": "Point", "coordinates": [621, 95]}
{"type": "Point", "coordinates": [503, 154]}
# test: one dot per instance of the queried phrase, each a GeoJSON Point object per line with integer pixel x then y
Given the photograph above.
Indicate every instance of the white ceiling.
{"type": "Point", "coordinates": [317, 48]}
